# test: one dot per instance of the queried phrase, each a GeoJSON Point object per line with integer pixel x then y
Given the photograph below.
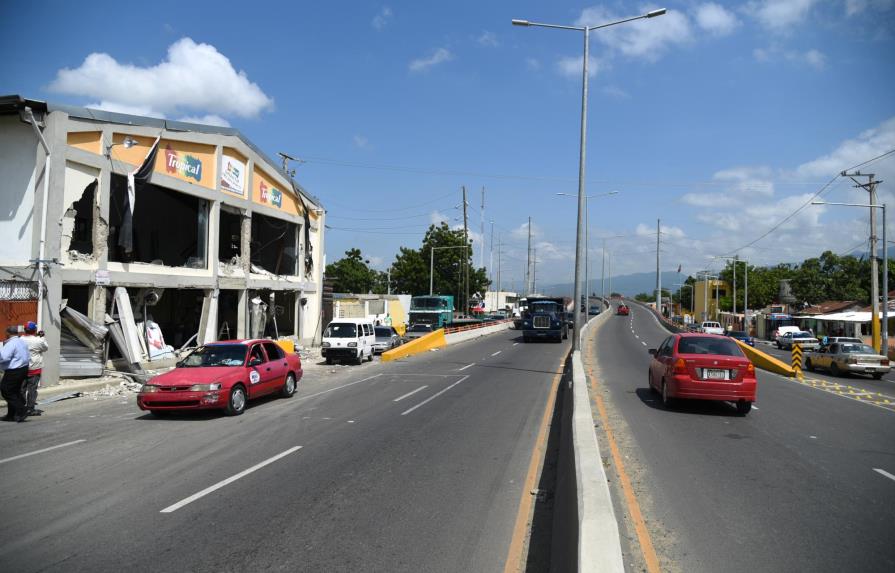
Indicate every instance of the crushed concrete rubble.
{"type": "Point", "coordinates": [124, 388]}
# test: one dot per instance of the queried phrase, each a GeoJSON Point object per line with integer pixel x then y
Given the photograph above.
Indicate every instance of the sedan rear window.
{"type": "Point", "coordinates": [857, 349]}
{"type": "Point", "coordinates": [383, 331]}
{"type": "Point", "coordinates": [706, 345]}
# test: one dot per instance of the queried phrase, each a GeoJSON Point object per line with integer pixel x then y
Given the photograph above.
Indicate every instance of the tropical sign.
{"type": "Point", "coordinates": [271, 195]}
{"type": "Point", "coordinates": [183, 164]}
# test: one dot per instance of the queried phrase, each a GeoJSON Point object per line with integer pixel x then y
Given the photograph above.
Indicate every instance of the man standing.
{"type": "Point", "coordinates": [14, 359]}
{"type": "Point", "coordinates": [37, 345]}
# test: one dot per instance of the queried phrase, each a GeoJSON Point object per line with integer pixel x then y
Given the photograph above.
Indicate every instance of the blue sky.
{"type": "Point", "coordinates": [720, 118]}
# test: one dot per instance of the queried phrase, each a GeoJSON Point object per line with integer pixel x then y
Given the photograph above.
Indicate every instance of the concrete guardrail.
{"type": "Point", "coordinates": [416, 346]}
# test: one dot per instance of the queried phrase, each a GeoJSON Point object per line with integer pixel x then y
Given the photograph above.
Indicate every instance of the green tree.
{"type": "Point", "coordinates": [410, 271]}
{"type": "Point", "coordinates": [352, 273]}
{"type": "Point", "coordinates": [643, 297]}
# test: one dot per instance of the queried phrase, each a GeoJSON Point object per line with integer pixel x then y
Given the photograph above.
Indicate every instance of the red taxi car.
{"type": "Point", "coordinates": [623, 310]}
{"type": "Point", "coordinates": [223, 375]}
{"type": "Point", "coordinates": [703, 367]}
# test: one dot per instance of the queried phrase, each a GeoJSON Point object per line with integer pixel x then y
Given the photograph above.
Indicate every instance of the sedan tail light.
{"type": "Point", "coordinates": [680, 367]}
{"type": "Point", "coordinates": [884, 362]}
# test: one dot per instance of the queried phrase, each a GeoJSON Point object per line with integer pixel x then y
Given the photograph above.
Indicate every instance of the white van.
{"type": "Point", "coordinates": [349, 339]}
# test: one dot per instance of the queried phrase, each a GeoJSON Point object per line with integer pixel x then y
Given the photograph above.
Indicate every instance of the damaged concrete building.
{"type": "Point", "coordinates": [214, 242]}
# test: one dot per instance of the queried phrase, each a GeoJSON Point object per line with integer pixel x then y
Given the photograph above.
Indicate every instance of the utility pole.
{"type": "Point", "coordinates": [603, 274]}
{"type": "Point", "coordinates": [534, 271]}
{"type": "Point", "coordinates": [610, 275]}
{"type": "Point", "coordinates": [870, 186]}
{"type": "Point", "coordinates": [498, 271]}
{"type": "Point", "coordinates": [491, 256]}
{"type": "Point", "coordinates": [658, 274]}
{"type": "Point", "coordinates": [389, 281]}
{"type": "Point", "coordinates": [482, 230]}
{"type": "Point", "coordinates": [466, 256]}
{"type": "Point", "coordinates": [528, 264]}
{"type": "Point", "coordinates": [736, 259]}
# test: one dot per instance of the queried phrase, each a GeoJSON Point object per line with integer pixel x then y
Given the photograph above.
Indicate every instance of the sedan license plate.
{"type": "Point", "coordinates": [714, 374]}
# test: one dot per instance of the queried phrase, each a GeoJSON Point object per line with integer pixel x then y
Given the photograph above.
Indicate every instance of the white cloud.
{"type": "Point", "coordinates": [549, 251]}
{"type": "Point", "coordinates": [644, 230]}
{"type": "Point", "coordinates": [375, 262]}
{"type": "Point", "coordinates": [716, 19]}
{"type": "Point", "coordinates": [813, 58]}
{"type": "Point", "coordinates": [488, 39]}
{"type": "Point", "coordinates": [533, 64]}
{"type": "Point", "coordinates": [193, 77]}
{"type": "Point", "coordinates": [867, 145]}
{"type": "Point", "coordinates": [208, 119]}
{"type": "Point", "coordinates": [437, 217]}
{"type": "Point", "coordinates": [116, 107]}
{"type": "Point", "coordinates": [521, 232]}
{"type": "Point", "coordinates": [779, 15]}
{"type": "Point", "coordinates": [382, 18]}
{"type": "Point", "coordinates": [647, 39]}
{"type": "Point", "coordinates": [747, 180]}
{"type": "Point", "coordinates": [573, 66]}
{"type": "Point", "coordinates": [854, 7]}
{"type": "Point", "coordinates": [724, 221]}
{"type": "Point", "coordinates": [705, 199]}
{"type": "Point", "coordinates": [440, 56]}
{"type": "Point", "coordinates": [615, 92]}
{"type": "Point", "coordinates": [360, 141]}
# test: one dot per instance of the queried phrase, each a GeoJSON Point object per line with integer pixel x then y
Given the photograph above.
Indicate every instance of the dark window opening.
{"type": "Point", "coordinates": [78, 297]}
{"type": "Point", "coordinates": [229, 237]}
{"type": "Point", "coordinates": [177, 313]}
{"type": "Point", "coordinates": [271, 317]}
{"type": "Point", "coordinates": [82, 232]}
{"type": "Point", "coordinates": [274, 245]}
{"type": "Point", "coordinates": [169, 228]}
{"type": "Point", "coordinates": [228, 315]}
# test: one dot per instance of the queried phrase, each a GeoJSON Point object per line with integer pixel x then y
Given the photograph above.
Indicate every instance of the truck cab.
{"type": "Point", "coordinates": [436, 311]}
{"type": "Point", "coordinates": [545, 318]}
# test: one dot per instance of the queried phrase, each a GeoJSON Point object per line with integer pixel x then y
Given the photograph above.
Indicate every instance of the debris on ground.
{"type": "Point", "coordinates": [124, 388]}
{"type": "Point", "coordinates": [60, 397]}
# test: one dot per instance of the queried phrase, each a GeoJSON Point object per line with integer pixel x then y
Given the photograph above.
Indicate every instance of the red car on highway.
{"type": "Point", "coordinates": [703, 367]}
{"type": "Point", "coordinates": [223, 375]}
{"type": "Point", "coordinates": [623, 310]}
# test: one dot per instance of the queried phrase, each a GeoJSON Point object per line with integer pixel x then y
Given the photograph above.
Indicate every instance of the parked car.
{"type": "Point", "coordinates": [418, 331]}
{"type": "Point", "coordinates": [594, 310]}
{"type": "Point", "coordinates": [223, 376]}
{"type": "Point", "coordinates": [623, 310]}
{"type": "Point", "coordinates": [741, 335]}
{"type": "Point", "coordinates": [803, 339]}
{"type": "Point", "coordinates": [834, 339]}
{"type": "Point", "coordinates": [848, 358]}
{"type": "Point", "coordinates": [386, 339]}
{"type": "Point", "coordinates": [710, 327]}
{"type": "Point", "coordinates": [348, 339]}
{"type": "Point", "coordinates": [702, 367]}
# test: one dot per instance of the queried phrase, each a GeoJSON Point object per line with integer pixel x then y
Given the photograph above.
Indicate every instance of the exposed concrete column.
{"type": "Point", "coordinates": [245, 245]}
{"type": "Point", "coordinates": [55, 133]}
{"type": "Point", "coordinates": [242, 314]}
{"type": "Point", "coordinates": [98, 301]}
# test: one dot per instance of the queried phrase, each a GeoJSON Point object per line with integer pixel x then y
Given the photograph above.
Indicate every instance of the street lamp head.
{"type": "Point", "coordinates": [654, 13]}
{"type": "Point", "coordinates": [818, 202]}
{"type": "Point", "coordinates": [521, 23]}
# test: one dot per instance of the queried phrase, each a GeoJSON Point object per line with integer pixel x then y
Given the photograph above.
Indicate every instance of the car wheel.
{"type": "Point", "coordinates": [288, 386]}
{"type": "Point", "coordinates": [743, 407]}
{"type": "Point", "coordinates": [779, 346]}
{"type": "Point", "coordinates": [809, 366]}
{"type": "Point", "coordinates": [667, 400]}
{"type": "Point", "coordinates": [834, 369]}
{"type": "Point", "coordinates": [370, 357]}
{"type": "Point", "coordinates": [649, 382]}
{"type": "Point", "coordinates": [877, 375]}
{"type": "Point", "coordinates": [360, 358]}
{"type": "Point", "coordinates": [236, 404]}
{"type": "Point", "coordinates": [329, 361]}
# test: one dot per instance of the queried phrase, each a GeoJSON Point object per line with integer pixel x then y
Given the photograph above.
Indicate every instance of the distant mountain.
{"type": "Point", "coordinates": [628, 285]}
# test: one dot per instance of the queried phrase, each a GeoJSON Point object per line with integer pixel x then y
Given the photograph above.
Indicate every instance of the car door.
{"type": "Point", "coordinates": [657, 365]}
{"type": "Point", "coordinates": [259, 371]}
{"type": "Point", "coordinates": [276, 359]}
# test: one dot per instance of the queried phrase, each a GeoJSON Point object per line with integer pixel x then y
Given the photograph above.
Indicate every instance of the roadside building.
{"type": "Point", "coordinates": [387, 309]}
{"type": "Point", "coordinates": [214, 242]}
{"type": "Point", "coordinates": [706, 294]}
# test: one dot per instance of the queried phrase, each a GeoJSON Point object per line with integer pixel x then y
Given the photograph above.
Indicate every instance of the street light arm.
{"type": "Point", "coordinates": [651, 14]}
{"type": "Point", "coordinates": [528, 24]}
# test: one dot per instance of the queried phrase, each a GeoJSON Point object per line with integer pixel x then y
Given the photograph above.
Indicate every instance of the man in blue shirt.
{"type": "Point", "coordinates": [14, 359]}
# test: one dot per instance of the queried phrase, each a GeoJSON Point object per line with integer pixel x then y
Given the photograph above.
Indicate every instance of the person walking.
{"type": "Point", "coordinates": [37, 345]}
{"type": "Point", "coordinates": [14, 360]}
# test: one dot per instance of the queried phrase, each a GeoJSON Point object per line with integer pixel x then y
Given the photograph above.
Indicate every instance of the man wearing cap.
{"type": "Point", "coordinates": [14, 360]}
{"type": "Point", "coordinates": [37, 345]}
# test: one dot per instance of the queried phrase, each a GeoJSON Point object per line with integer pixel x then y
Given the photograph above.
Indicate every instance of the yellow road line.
{"type": "Point", "coordinates": [515, 559]}
{"type": "Point", "coordinates": [643, 536]}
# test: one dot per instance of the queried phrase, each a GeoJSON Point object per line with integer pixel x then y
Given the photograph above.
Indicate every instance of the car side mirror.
{"type": "Point", "coordinates": [652, 351]}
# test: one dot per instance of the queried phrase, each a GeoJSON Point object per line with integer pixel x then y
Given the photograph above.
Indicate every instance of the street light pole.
{"type": "Point", "coordinates": [579, 239]}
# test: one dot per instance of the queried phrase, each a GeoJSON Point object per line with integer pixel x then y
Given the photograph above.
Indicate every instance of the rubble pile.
{"type": "Point", "coordinates": [124, 388]}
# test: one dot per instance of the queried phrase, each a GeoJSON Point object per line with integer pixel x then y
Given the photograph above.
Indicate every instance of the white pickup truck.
{"type": "Point", "coordinates": [711, 328]}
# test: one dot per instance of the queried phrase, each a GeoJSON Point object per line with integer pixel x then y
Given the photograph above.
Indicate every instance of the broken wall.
{"type": "Point", "coordinates": [79, 200]}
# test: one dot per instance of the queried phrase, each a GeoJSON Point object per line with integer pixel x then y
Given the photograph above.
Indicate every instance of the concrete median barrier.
{"type": "Point", "coordinates": [471, 333]}
{"type": "Point", "coordinates": [422, 344]}
{"type": "Point", "coordinates": [766, 361]}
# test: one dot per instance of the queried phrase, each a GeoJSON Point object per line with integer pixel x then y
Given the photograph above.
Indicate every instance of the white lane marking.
{"type": "Point", "coordinates": [229, 480]}
{"type": "Point", "coordinates": [637, 336]}
{"type": "Point", "coordinates": [643, 343]}
{"type": "Point", "coordinates": [496, 353]}
{"type": "Point", "coordinates": [515, 344]}
{"type": "Point", "coordinates": [399, 398]}
{"type": "Point", "coordinates": [20, 456]}
{"type": "Point", "coordinates": [465, 367]}
{"type": "Point", "coordinates": [339, 387]}
{"type": "Point", "coordinates": [433, 396]}
{"type": "Point", "coordinates": [884, 473]}
{"type": "Point", "coordinates": [754, 407]}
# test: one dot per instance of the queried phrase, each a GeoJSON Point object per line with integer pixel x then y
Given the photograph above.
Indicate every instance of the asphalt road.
{"type": "Point", "coordinates": [793, 486]}
{"type": "Point", "coordinates": [416, 465]}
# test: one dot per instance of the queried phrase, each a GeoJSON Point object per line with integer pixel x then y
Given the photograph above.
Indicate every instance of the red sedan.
{"type": "Point", "coordinates": [703, 367]}
{"type": "Point", "coordinates": [223, 375]}
{"type": "Point", "coordinates": [623, 310]}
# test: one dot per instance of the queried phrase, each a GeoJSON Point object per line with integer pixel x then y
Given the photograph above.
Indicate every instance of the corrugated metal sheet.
{"type": "Point", "coordinates": [77, 360]}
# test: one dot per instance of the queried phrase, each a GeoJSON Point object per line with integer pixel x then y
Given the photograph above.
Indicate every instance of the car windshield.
{"type": "Point", "coordinates": [708, 345]}
{"type": "Point", "coordinates": [383, 332]}
{"type": "Point", "coordinates": [803, 335]}
{"type": "Point", "coordinates": [216, 355]}
{"type": "Point", "coordinates": [340, 330]}
{"type": "Point", "coordinates": [857, 349]}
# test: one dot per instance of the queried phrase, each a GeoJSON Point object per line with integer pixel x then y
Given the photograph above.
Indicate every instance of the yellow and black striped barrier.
{"type": "Point", "coordinates": [797, 361]}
